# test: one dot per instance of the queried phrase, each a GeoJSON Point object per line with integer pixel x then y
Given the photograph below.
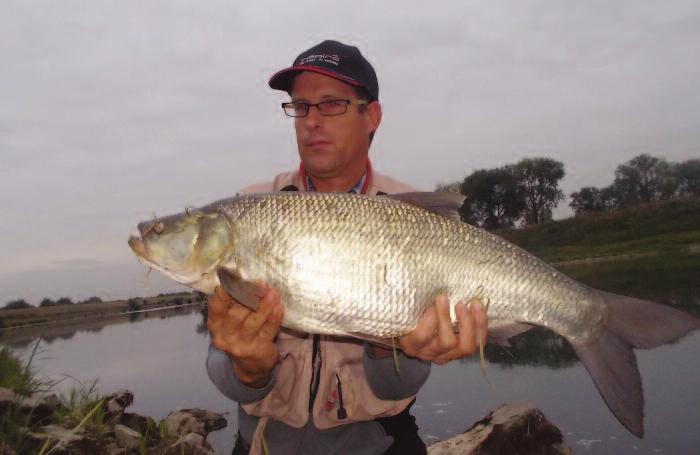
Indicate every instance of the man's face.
{"type": "Point", "coordinates": [330, 146]}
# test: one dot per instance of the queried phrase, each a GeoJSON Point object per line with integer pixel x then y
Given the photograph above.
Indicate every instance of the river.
{"type": "Point", "coordinates": [160, 357]}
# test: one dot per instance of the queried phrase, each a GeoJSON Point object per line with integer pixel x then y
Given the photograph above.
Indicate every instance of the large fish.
{"type": "Point", "coordinates": [368, 267]}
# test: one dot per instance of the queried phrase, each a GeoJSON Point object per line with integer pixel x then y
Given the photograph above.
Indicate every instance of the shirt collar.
{"type": "Point", "coordinates": [361, 187]}
{"type": "Point", "coordinates": [357, 189]}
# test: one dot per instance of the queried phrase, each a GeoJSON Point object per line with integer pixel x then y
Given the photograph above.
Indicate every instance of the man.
{"type": "Point", "coordinates": [302, 393]}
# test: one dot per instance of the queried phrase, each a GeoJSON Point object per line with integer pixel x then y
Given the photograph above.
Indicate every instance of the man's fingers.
{"type": "Point", "coordinates": [467, 335]}
{"type": "Point", "coordinates": [271, 327]}
{"type": "Point", "coordinates": [478, 311]}
{"type": "Point", "coordinates": [422, 334]}
{"type": "Point", "coordinates": [446, 337]}
{"type": "Point", "coordinates": [218, 303]}
{"type": "Point", "coordinates": [255, 320]}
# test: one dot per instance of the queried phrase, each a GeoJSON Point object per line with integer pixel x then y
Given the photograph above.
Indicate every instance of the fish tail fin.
{"type": "Point", "coordinates": [610, 359]}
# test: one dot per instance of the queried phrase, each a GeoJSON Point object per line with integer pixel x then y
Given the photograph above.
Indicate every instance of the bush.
{"type": "Point", "coordinates": [92, 300]}
{"type": "Point", "coordinates": [47, 302]}
{"type": "Point", "coordinates": [16, 304]}
{"type": "Point", "coordinates": [133, 304]}
{"type": "Point", "coordinates": [64, 301]}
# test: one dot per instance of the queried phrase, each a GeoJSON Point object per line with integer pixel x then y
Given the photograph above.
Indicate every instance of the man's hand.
{"type": "Point", "coordinates": [248, 337]}
{"type": "Point", "coordinates": [434, 339]}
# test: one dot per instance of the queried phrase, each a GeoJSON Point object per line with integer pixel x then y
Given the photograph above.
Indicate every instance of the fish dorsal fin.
{"type": "Point", "coordinates": [441, 203]}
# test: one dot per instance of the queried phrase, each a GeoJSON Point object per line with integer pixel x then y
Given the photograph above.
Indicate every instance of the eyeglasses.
{"type": "Point", "coordinates": [326, 108]}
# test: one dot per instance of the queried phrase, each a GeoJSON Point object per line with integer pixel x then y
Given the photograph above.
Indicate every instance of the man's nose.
{"type": "Point", "coordinates": [313, 117]}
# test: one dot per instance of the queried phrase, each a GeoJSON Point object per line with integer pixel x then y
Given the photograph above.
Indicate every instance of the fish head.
{"type": "Point", "coordinates": [186, 247]}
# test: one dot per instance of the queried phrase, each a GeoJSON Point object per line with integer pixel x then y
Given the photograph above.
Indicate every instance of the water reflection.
{"type": "Point", "coordinates": [66, 330]}
{"type": "Point", "coordinates": [536, 347]}
{"type": "Point", "coordinates": [202, 327]}
{"type": "Point", "coordinates": [160, 357]}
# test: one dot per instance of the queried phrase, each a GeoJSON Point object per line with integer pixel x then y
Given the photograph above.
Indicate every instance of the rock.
{"type": "Point", "coordinates": [5, 449]}
{"type": "Point", "coordinates": [190, 444]}
{"type": "Point", "coordinates": [125, 433]}
{"type": "Point", "coordinates": [142, 424]}
{"type": "Point", "coordinates": [68, 442]}
{"type": "Point", "coordinates": [511, 429]}
{"type": "Point", "coordinates": [112, 448]}
{"type": "Point", "coordinates": [126, 437]}
{"type": "Point", "coordinates": [37, 407]}
{"type": "Point", "coordinates": [119, 401]}
{"type": "Point", "coordinates": [199, 421]}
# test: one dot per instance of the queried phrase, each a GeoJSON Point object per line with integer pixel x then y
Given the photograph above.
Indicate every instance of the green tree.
{"type": "Point", "coordinates": [133, 304]}
{"type": "Point", "coordinates": [688, 175]}
{"type": "Point", "coordinates": [64, 301]}
{"type": "Point", "coordinates": [454, 187]}
{"type": "Point", "coordinates": [492, 198]}
{"type": "Point", "coordinates": [47, 302]}
{"type": "Point", "coordinates": [539, 179]}
{"type": "Point", "coordinates": [16, 304]}
{"type": "Point", "coordinates": [643, 180]}
{"type": "Point", "coordinates": [592, 199]}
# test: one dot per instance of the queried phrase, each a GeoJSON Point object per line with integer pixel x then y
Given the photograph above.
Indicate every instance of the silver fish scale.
{"type": "Point", "coordinates": [371, 265]}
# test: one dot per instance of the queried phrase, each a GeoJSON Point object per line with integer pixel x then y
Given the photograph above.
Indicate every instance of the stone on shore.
{"type": "Point", "coordinates": [198, 421]}
{"type": "Point", "coordinates": [183, 432]}
{"type": "Point", "coordinates": [117, 402]}
{"type": "Point", "coordinates": [511, 429]}
{"type": "Point", "coordinates": [126, 437]}
{"type": "Point", "coordinates": [37, 407]}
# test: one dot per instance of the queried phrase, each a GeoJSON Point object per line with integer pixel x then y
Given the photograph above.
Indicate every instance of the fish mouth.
{"type": "Point", "coordinates": [138, 246]}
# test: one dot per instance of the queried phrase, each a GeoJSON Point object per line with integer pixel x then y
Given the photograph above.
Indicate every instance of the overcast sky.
{"type": "Point", "coordinates": [113, 110]}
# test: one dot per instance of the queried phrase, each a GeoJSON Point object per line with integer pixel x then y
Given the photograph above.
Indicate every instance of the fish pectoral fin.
{"type": "Point", "coordinates": [247, 293]}
{"type": "Point", "coordinates": [441, 203]}
{"type": "Point", "coordinates": [500, 333]}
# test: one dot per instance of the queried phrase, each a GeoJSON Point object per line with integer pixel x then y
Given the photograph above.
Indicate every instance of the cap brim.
{"type": "Point", "coordinates": [282, 80]}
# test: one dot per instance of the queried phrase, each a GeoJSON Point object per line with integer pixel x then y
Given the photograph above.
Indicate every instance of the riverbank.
{"type": "Point", "coordinates": [26, 317]}
{"type": "Point", "coordinates": [650, 252]}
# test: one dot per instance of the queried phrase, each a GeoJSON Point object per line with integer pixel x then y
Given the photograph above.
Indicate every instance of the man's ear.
{"type": "Point", "coordinates": [374, 116]}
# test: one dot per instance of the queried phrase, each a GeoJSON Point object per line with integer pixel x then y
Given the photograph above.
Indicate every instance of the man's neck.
{"type": "Point", "coordinates": [339, 183]}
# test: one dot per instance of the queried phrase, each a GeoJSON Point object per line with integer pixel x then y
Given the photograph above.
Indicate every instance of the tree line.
{"type": "Point", "coordinates": [133, 303]}
{"type": "Point", "coordinates": [21, 303]}
{"type": "Point", "coordinates": [642, 180]}
{"type": "Point", "coordinates": [525, 193]}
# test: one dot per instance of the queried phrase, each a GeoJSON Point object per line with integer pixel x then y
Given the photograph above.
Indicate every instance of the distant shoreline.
{"type": "Point", "coordinates": [28, 317]}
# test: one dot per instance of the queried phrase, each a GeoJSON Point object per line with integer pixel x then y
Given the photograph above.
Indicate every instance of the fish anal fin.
{"type": "Point", "coordinates": [442, 203]}
{"type": "Point", "coordinates": [500, 333]}
{"type": "Point", "coordinates": [247, 293]}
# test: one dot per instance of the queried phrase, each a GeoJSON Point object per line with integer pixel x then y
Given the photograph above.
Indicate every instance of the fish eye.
{"type": "Point", "coordinates": [159, 227]}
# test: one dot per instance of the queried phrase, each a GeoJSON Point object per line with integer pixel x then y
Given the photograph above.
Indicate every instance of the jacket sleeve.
{"type": "Point", "coordinates": [386, 384]}
{"type": "Point", "coordinates": [220, 371]}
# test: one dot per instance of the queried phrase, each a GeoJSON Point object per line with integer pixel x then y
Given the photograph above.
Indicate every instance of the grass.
{"type": "Point", "coordinates": [670, 226]}
{"type": "Point", "coordinates": [670, 277]}
{"type": "Point", "coordinates": [14, 426]}
{"type": "Point", "coordinates": [650, 252]}
{"type": "Point", "coordinates": [81, 409]}
{"type": "Point", "coordinates": [12, 374]}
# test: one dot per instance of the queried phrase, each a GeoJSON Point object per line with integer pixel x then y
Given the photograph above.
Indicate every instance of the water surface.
{"type": "Point", "coordinates": [160, 357]}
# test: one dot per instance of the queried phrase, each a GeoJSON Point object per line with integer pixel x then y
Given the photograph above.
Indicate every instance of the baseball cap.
{"type": "Point", "coordinates": [334, 59]}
